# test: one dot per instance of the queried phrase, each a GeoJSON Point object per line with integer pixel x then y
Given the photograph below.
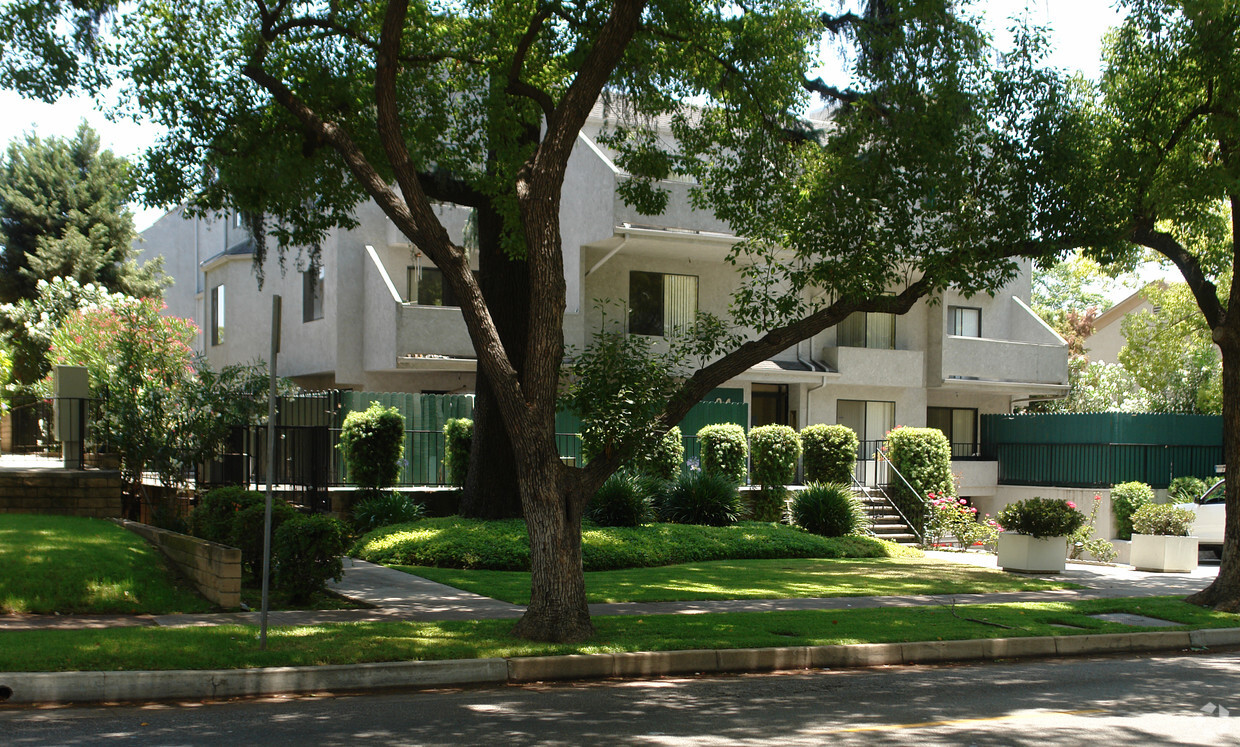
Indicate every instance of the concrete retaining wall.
{"type": "Point", "coordinates": [215, 569]}
{"type": "Point", "coordinates": [50, 490]}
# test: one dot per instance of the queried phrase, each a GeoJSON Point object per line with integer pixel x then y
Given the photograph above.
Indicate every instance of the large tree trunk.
{"type": "Point", "coordinates": [491, 490]}
{"type": "Point", "coordinates": [552, 496]}
{"type": "Point", "coordinates": [1224, 593]}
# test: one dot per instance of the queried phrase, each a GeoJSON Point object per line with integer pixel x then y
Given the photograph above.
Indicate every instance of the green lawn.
{"type": "Point", "coordinates": [755, 579]}
{"type": "Point", "coordinates": [70, 565]}
{"type": "Point", "coordinates": [237, 647]}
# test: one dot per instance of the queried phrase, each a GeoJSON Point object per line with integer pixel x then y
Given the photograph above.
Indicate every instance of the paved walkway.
{"type": "Point", "coordinates": [400, 596]}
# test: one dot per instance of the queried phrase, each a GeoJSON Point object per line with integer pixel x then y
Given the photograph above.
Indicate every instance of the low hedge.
{"type": "Point", "coordinates": [454, 542]}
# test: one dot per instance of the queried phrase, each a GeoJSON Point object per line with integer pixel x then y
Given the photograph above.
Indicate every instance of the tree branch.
{"type": "Point", "coordinates": [1204, 291]}
{"type": "Point", "coordinates": [519, 87]}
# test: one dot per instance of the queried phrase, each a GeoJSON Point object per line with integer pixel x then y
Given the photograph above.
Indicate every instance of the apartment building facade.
{"type": "Point", "coordinates": [377, 317]}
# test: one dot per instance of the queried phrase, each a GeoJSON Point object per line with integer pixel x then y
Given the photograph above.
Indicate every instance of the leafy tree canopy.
{"type": "Point", "coordinates": [1171, 354]}
{"type": "Point", "coordinates": [63, 214]}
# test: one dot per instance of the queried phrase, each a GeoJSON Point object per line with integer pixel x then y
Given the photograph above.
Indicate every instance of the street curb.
{"type": "Point", "coordinates": [25, 688]}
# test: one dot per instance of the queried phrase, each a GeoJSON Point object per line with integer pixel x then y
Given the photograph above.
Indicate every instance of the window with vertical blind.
{"type": "Point", "coordinates": [869, 420]}
{"type": "Point", "coordinates": [959, 424]}
{"type": "Point", "coordinates": [864, 329]}
{"type": "Point", "coordinates": [964, 321]}
{"type": "Point", "coordinates": [660, 303]}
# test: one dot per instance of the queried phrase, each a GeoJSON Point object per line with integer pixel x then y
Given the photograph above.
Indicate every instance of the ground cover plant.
{"type": "Point", "coordinates": [454, 542]}
{"type": "Point", "coordinates": [782, 578]}
{"type": "Point", "coordinates": [236, 646]}
{"type": "Point", "coordinates": [69, 564]}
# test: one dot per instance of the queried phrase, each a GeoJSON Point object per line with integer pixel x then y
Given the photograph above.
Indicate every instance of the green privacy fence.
{"type": "Point", "coordinates": [1098, 450]}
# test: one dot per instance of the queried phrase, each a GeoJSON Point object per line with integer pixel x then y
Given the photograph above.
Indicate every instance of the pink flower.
{"type": "Point", "coordinates": [1071, 504]}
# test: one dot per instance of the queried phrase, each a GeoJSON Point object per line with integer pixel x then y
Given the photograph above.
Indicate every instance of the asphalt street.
{"type": "Point", "coordinates": [1184, 699]}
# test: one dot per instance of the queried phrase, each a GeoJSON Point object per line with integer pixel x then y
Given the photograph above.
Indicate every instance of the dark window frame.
{"type": "Point", "coordinates": [954, 329]}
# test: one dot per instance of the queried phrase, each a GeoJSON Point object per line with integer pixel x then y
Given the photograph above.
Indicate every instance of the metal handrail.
{"type": "Point", "coordinates": [921, 538]}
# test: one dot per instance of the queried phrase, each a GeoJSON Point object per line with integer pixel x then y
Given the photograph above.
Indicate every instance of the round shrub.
{"type": "Point", "coordinates": [1126, 499]}
{"type": "Point", "coordinates": [1186, 489]}
{"type": "Point", "coordinates": [830, 453]}
{"type": "Point", "coordinates": [924, 457]}
{"type": "Point", "coordinates": [306, 551]}
{"type": "Point", "coordinates": [701, 498]}
{"type": "Point", "coordinates": [384, 509]}
{"type": "Point", "coordinates": [774, 451]}
{"type": "Point", "coordinates": [373, 442]}
{"type": "Point", "coordinates": [1166, 519]}
{"type": "Point", "coordinates": [246, 533]}
{"type": "Point", "coordinates": [212, 519]}
{"type": "Point", "coordinates": [620, 502]}
{"type": "Point", "coordinates": [724, 451]}
{"type": "Point", "coordinates": [829, 509]}
{"type": "Point", "coordinates": [1041, 517]}
{"type": "Point", "coordinates": [664, 458]}
{"type": "Point", "coordinates": [458, 436]}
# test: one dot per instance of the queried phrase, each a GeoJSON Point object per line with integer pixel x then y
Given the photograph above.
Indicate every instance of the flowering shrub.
{"type": "Point", "coordinates": [1042, 517]}
{"type": "Point", "coordinates": [955, 517]}
{"type": "Point", "coordinates": [1083, 541]}
{"type": "Point", "coordinates": [830, 453]}
{"type": "Point", "coordinates": [1163, 518]}
{"type": "Point", "coordinates": [724, 451]}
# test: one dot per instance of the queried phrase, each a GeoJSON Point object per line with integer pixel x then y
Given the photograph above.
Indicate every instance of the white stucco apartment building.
{"type": "Point", "coordinates": [376, 318]}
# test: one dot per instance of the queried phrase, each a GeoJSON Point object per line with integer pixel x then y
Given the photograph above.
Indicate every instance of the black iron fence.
{"type": "Point", "coordinates": [34, 421]}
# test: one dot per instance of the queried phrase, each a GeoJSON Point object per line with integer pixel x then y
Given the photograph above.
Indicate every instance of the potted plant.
{"type": "Point", "coordinates": [1160, 540]}
{"type": "Point", "coordinates": [1035, 531]}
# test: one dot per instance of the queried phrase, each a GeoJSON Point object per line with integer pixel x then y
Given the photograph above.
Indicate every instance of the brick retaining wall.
{"type": "Point", "coordinates": [214, 568]}
{"type": "Point", "coordinates": [54, 490]}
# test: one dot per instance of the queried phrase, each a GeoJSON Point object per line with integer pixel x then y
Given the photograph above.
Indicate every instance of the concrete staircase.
{"type": "Point", "coordinates": [887, 523]}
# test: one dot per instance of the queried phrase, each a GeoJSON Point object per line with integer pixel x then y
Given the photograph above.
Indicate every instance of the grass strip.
{"type": "Point", "coordinates": [784, 578]}
{"type": "Point", "coordinates": [455, 542]}
{"type": "Point", "coordinates": [237, 646]}
{"type": "Point", "coordinates": [70, 564]}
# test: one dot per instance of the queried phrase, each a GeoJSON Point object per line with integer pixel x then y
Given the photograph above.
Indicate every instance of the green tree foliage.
{"type": "Point", "coordinates": [373, 441]}
{"type": "Point", "coordinates": [63, 214]}
{"type": "Point", "coordinates": [1171, 353]}
{"type": "Point", "coordinates": [830, 453]}
{"type": "Point", "coordinates": [929, 171]}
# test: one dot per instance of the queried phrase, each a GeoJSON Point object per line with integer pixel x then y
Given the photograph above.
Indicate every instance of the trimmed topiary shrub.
{"type": "Point", "coordinates": [1126, 499]}
{"type": "Point", "coordinates": [306, 552]}
{"type": "Point", "coordinates": [458, 437]}
{"type": "Point", "coordinates": [664, 458]}
{"type": "Point", "coordinates": [774, 451]}
{"type": "Point", "coordinates": [384, 509]}
{"type": "Point", "coordinates": [212, 519]}
{"type": "Point", "coordinates": [724, 451]}
{"type": "Point", "coordinates": [924, 457]}
{"type": "Point", "coordinates": [699, 497]}
{"type": "Point", "coordinates": [1186, 489]}
{"type": "Point", "coordinates": [829, 509]}
{"type": "Point", "coordinates": [246, 533]}
{"type": "Point", "coordinates": [373, 442]}
{"type": "Point", "coordinates": [829, 453]}
{"type": "Point", "coordinates": [620, 502]}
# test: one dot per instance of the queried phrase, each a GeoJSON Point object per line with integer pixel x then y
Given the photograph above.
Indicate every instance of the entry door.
{"type": "Point", "coordinates": [769, 404]}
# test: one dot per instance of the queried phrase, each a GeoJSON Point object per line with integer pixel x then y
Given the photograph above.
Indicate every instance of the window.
{"type": "Point", "coordinates": [217, 315]}
{"type": "Point", "coordinates": [427, 287]}
{"type": "Point", "coordinates": [964, 321]}
{"type": "Point", "coordinates": [312, 283]}
{"type": "Point", "coordinates": [769, 405]}
{"type": "Point", "coordinates": [864, 329]}
{"type": "Point", "coordinates": [870, 420]}
{"type": "Point", "coordinates": [238, 220]}
{"type": "Point", "coordinates": [959, 425]}
{"type": "Point", "coordinates": [659, 304]}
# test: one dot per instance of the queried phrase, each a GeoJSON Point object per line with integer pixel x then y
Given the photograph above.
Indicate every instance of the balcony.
{"type": "Point", "coordinates": [431, 330]}
{"type": "Point", "coordinates": [977, 361]}
{"type": "Point", "coordinates": [870, 366]}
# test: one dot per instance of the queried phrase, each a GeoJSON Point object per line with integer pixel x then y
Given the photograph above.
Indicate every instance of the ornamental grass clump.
{"type": "Point", "coordinates": [829, 509]}
{"type": "Point", "coordinates": [621, 501]}
{"type": "Point", "coordinates": [775, 450]}
{"type": "Point", "coordinates": [1186, 489]}
{"type": "Point", "coordinates": [385, 509]}
{"type": "Point", "coordinates": [829, 453]}
{"type": "Point", "coordinates": [701, 498]}
{"type": "Point", "coordinates": [724, 451]}
{"type": "Point", "coordinates": [1163, 519]}
{"type": "Point", "coordinates": [1041, 518]}
{"type": "Point", "coordinates": [1126, 499]}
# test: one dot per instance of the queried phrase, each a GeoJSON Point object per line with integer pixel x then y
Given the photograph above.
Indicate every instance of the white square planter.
{"type": "Point", "coordinates": [1020, 552]}
{"type": "Point", "coordinates": [1156, 552]}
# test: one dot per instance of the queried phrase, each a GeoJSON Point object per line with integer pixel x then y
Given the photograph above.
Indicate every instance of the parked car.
{"type": "Point", "coordinates": [1208, 526]}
